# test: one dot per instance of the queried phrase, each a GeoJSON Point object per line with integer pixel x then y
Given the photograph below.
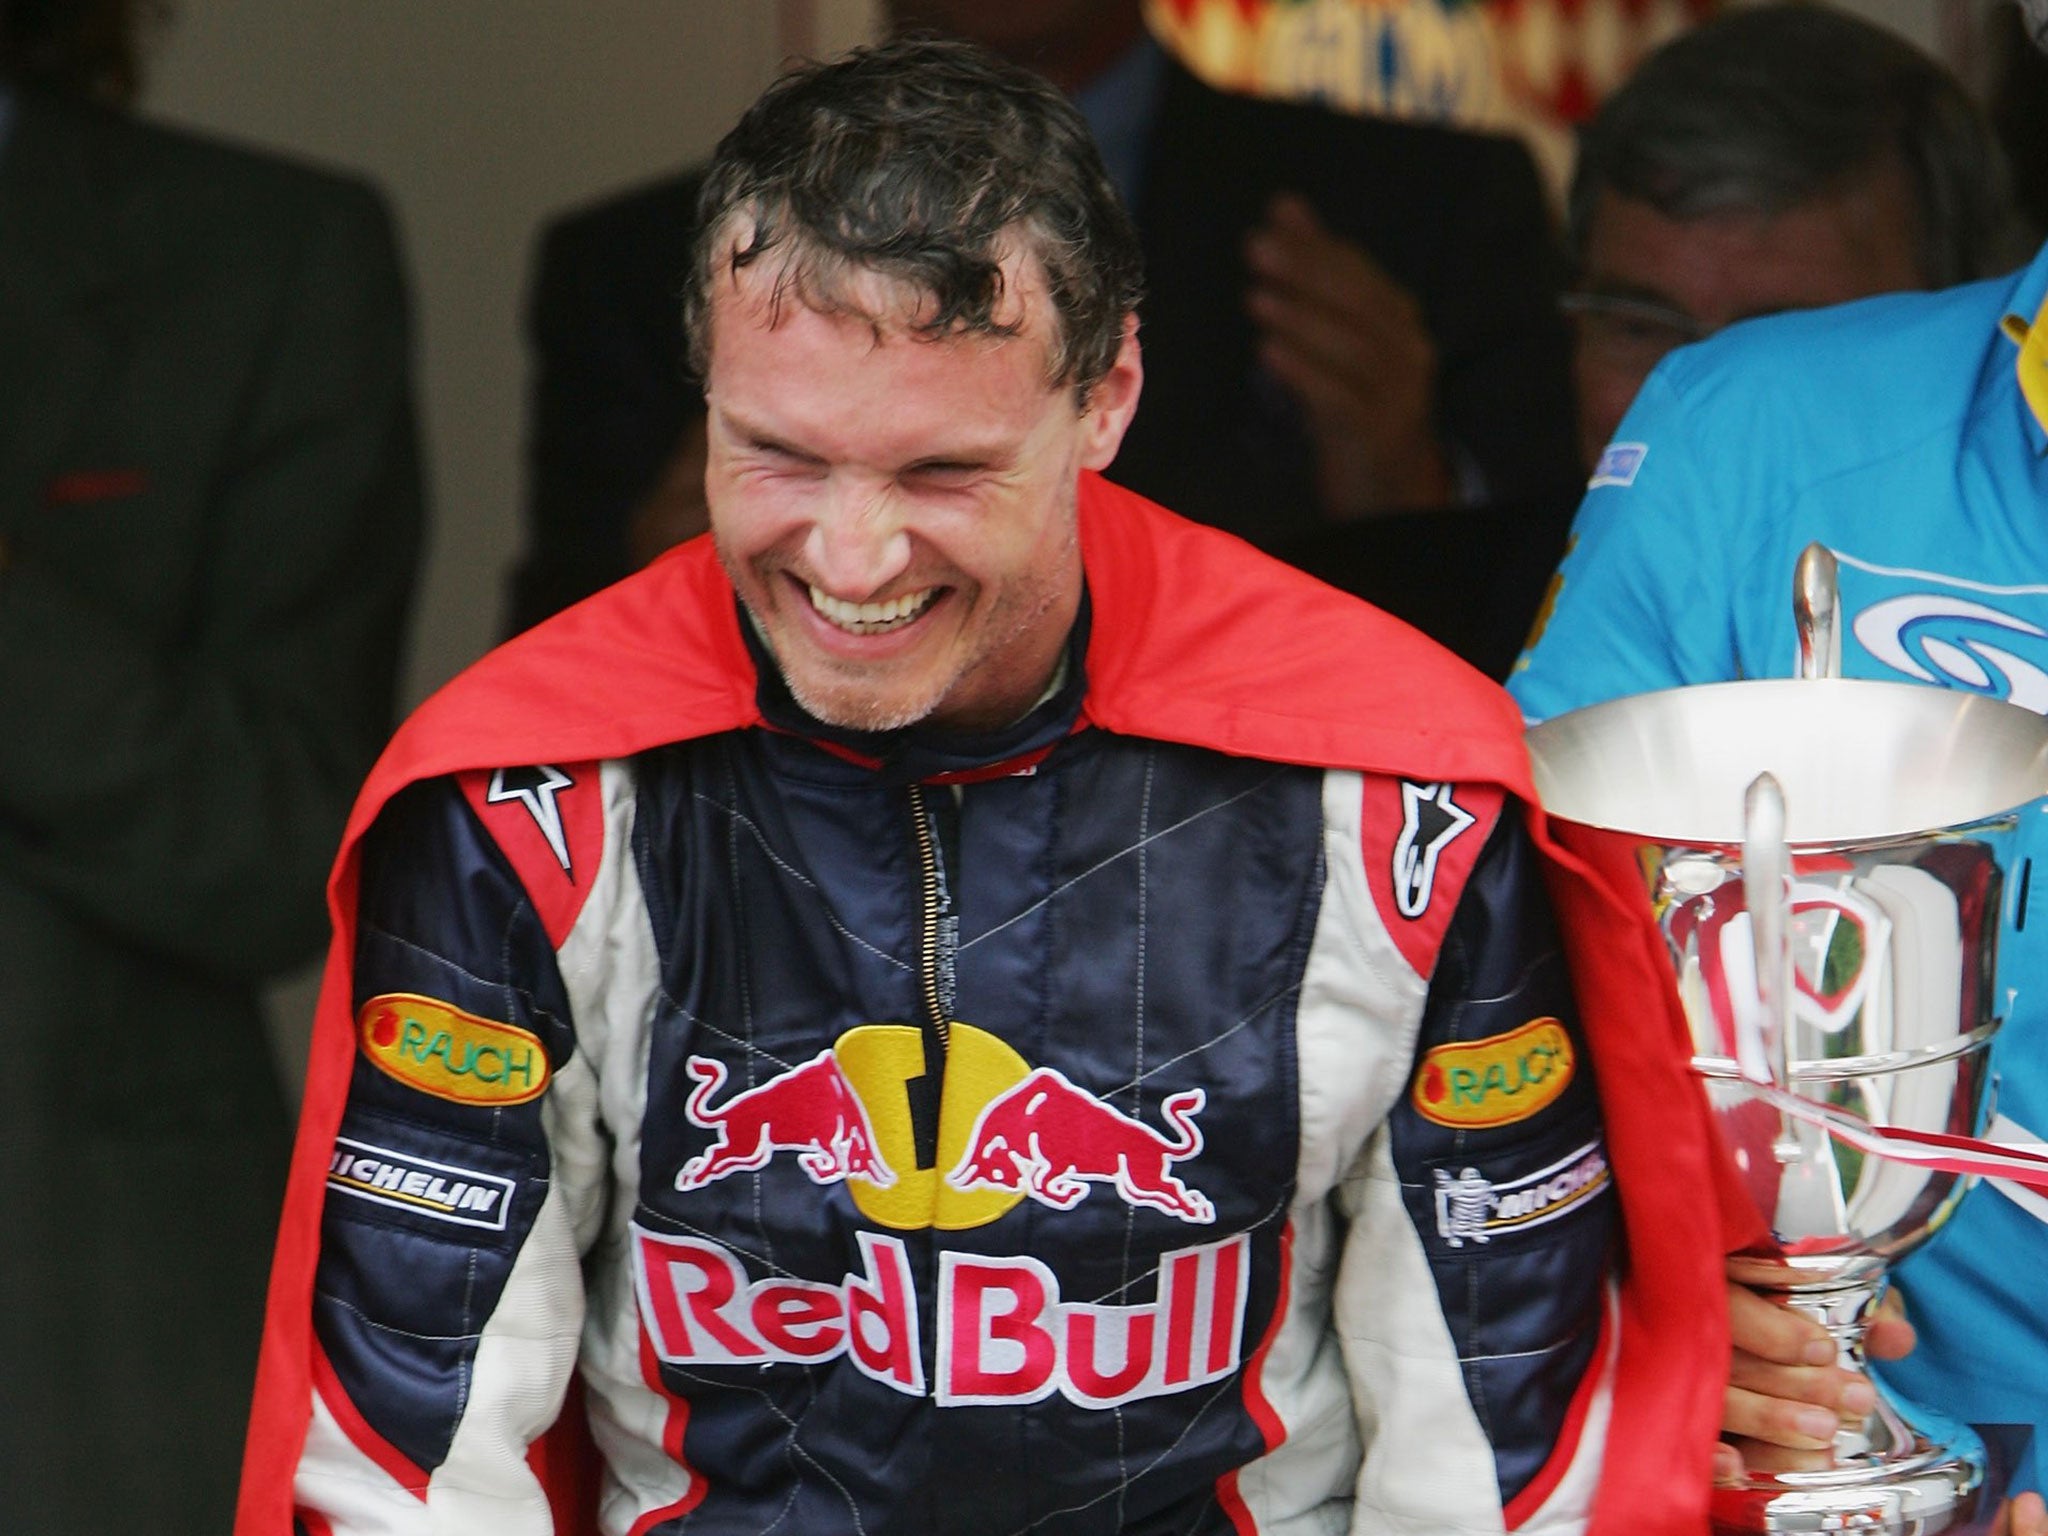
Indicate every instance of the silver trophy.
{"type": "Point", "coordinates": [1829, 863]}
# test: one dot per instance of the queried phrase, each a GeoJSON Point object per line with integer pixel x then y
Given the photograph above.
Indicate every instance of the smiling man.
{"type": "Point", "coordinates": [965, 1003]}
{"type": "Point", "coordinates": [898, 518]}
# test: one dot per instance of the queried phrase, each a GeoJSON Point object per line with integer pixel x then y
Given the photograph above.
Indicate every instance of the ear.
{"type": "Point", "coordinates": [1113, 402]}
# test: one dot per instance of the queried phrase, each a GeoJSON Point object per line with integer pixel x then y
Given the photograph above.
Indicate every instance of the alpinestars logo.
{"type": "Point", "coordinates": [1430, 822]}
{"type": "Point", "coordinates": [537, 787]}
{"type": "Point", "coordinates": [1955, 642]}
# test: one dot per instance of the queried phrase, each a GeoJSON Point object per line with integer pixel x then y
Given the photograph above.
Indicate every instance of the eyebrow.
{"type": "Point", "coordinates": [1643, 293]}
{"type": "Point", "coordinates": [966, 455]}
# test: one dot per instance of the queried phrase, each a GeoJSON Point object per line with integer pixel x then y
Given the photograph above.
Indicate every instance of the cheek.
{"type": "Point", "coordinates": [752, 512]}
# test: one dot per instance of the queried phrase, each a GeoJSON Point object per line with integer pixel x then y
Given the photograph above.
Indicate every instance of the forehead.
{"type": "Point", "coordinates": [1845, 243]}
{"type": "Point", "coordinates": [796, 273]}
{"type": "Point", "coordinates": [854, 379]}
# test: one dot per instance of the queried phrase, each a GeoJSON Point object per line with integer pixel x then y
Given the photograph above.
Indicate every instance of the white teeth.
{"type": "Point", "coordinates": [872, 618]}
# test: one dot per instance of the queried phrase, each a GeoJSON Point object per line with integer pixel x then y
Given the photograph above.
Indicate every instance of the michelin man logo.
{"type": "Point", "coordinates": [1471, 1208]}
{"type": "Point", "coordinates": [1955, 642]}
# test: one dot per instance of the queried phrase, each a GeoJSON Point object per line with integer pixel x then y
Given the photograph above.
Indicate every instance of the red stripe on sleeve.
{"type": "Point", "coordinates": [400, 1467]}
{"type": "Point", "coordinates": [671, 1441]}
{"type": "Point", "coordinates": [1540, 1487]}
{"type": "Point", "coordinates": [1263, 1415]}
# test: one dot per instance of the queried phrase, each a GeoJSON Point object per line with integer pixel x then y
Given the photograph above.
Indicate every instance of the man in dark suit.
{"type": "Point", "coordinates": [209, 514]}
{"type": "Point", "coordinates": [1352, 348]}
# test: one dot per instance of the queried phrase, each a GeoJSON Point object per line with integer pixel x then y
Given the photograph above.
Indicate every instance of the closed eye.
{"type": "Point", "coordinates": [943, 472]}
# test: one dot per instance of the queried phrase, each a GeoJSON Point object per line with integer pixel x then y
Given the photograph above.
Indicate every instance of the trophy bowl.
{"type": "Point", "coordinates": [1830, 864]}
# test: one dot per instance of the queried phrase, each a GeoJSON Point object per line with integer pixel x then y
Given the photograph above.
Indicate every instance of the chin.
{"type": "Point", "coordinates": [863, 709]}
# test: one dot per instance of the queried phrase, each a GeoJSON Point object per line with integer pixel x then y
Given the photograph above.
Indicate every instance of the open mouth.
{"type": "Point", "coordinates": [873, 618]}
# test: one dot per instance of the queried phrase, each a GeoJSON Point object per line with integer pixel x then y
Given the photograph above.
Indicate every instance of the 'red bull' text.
{"type": "Point", "coordinates": [1003, 1333]}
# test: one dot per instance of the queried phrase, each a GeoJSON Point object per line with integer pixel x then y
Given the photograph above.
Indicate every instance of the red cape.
{"type": "Point", "coordinates": [1268, 664]}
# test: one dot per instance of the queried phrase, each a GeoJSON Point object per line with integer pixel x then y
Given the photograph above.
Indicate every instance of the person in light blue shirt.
{"type": "Point", "coordinates": [1893, 430]}
{"type": "Point", "coordinates": [1909, 434]}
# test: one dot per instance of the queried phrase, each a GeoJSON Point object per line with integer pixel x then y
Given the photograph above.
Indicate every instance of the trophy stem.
{"type": "Point", "coordinates": [1846, 1312]}
{"type": "Point", "coordinates": [1886, 1475]}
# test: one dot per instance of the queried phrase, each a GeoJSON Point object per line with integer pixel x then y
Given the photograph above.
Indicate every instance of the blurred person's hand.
{"type": "Point", "coordinates": [2026, 1515]}
{"type": "Point", "coordinates": [1350, 343]}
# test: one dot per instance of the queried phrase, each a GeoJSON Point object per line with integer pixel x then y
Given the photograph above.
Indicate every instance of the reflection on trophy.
{"type": "Point", "coordinates": [1829, 863]}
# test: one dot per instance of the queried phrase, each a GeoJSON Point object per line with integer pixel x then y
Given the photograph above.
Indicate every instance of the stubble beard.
{"type": "Point", "coordinates": [853, 704]}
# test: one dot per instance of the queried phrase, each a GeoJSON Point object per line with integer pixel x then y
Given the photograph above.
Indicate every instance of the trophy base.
{"type": "Point", "coordinates": [1918, 1489]}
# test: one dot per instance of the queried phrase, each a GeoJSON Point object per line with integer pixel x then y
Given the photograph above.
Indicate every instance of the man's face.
{"type": "Point", "coordinates": [1708, 272]}
{"type": "Point", "coordinates": [898, 513]}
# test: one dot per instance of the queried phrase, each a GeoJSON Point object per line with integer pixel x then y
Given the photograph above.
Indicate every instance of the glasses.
{"type": "Point", "coordinates": [1630, 333]}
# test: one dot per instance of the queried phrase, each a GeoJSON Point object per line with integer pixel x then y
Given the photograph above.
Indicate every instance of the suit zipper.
{"type": "Point", "coordinates": [937, 923]}
{"type": "Point", "coordinates": [934, 823]}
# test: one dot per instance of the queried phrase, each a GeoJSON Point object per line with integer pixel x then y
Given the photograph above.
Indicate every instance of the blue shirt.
{"type": "Point", "coordinates": [1895, 432]}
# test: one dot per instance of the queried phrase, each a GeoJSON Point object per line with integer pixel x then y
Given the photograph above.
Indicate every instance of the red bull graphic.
{"type": "Point", "coordinates": [1006, 1337]}
{"type": "Point", "coordinates": [810, 1110]}
{"type": "Point", "coordinates": [700, 1309]}
{"type": "Point", "coordinates": [1003, 1336]}
{"type": "Point", "coordinates": [1051, 1140]}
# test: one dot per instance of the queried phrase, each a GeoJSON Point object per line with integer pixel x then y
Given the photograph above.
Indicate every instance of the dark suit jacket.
{"type": "Point", "coordinates": [1458, 218]}
{"type": "Point", "coordinates": [210, 505]}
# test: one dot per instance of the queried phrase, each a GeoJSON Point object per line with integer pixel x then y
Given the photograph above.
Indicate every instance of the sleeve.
{"type": "Point", "coordinates": [188, 797]}
{"type": "Point", "coordinates": [1479, 1337]}
{"type": "Point", "coordinates": [610, 395]}
{"type": "Point", "coordinates": [466, 1180]}
{"type": "Point", "coordinates": [1642, 598]}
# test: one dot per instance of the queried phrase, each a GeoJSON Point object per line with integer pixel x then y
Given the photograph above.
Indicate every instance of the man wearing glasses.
{"type": "Point", "coordinates": [1784, 157]}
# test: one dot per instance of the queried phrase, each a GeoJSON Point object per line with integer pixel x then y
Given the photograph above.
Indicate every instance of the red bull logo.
{"type": "Point", "coordinates": [810, 1110]}
{"type": "Point", "coordinates": [1004, 1335]}
{"type": "Point", "coordinates": [1050, 1140]}
{"type": "Point", "coordinates": [1005, 1132]}
{"type": "Point", "coordinates": [700, 1309]}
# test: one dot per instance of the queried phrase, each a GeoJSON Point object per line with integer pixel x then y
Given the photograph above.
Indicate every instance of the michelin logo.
{"type": "Point", "coordinates": [1472, 1208]}
{"type": "Point", "coordinates": [440, 1190]}
{"type": "Point", "coordinates": [1618, 464]}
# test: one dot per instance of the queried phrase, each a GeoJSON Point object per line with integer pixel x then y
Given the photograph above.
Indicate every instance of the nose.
{"type": "Point", "coordinates": [858, 542]}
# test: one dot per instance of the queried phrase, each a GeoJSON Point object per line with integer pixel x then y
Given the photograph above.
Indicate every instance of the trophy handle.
{"type": "Point", "coordinates": [1766, 882]}
{"type": "Point", "coordinates": [1817, 612]}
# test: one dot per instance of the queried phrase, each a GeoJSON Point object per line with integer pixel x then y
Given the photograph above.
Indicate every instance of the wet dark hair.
{"type": "Point", "coordinates": [76, 47]}
{"type": "Point", "coordinates": [926, 161]}
{"type": "Point", "coordinates": [1764, 108]}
